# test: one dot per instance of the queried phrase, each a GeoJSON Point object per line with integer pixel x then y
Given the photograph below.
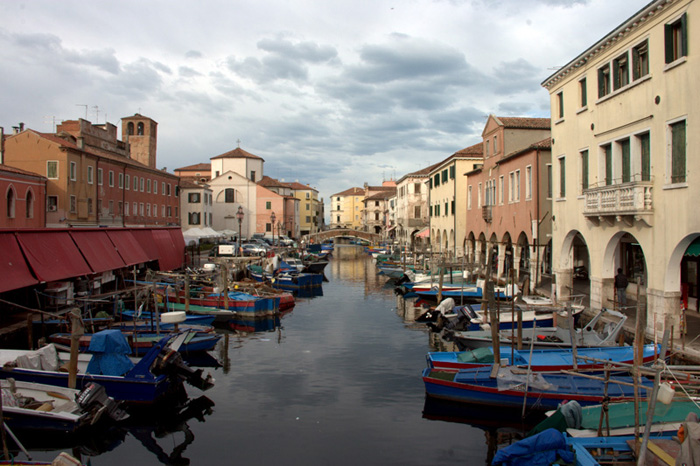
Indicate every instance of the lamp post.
{"type": "Point", "coordinates": [272, 221]}
{"type": "Point", "coordinates": [239, 216]}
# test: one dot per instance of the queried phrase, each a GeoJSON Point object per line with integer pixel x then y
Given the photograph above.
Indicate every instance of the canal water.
{"type": "Point", "coordinates": [338, 382]}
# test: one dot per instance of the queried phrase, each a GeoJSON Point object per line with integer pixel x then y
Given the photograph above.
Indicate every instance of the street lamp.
{"type": "Point", "coordinates": [272, 221]}
{"type": "Point", "coordinates": [239, 216]}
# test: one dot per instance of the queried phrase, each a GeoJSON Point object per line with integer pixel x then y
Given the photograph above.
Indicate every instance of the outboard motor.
{"type": "Point", "coordinates": [170, 362]}
{"type": "Point", "coordinates": [93, 399]}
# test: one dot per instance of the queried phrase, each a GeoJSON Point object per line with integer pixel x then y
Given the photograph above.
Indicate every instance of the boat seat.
{"type": "Point", "coordinates": [67, 406]}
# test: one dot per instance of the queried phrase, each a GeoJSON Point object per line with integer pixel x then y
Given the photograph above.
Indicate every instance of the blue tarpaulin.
{"type": "Point", "coordinates": [544, 448]}
{"type": "Point", "coordinates": [110, 353]}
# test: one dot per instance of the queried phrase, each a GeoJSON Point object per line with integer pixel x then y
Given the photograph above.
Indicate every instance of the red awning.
{"type": "Point", "coordinates": [179, 240]}
{"type": "Point", "coordinates": [145, 238]}
{"type": "Point", "coordinates": [170, 257]}
{"type": "Point", "coordinates": [98, 250]}
{"type": "Point", "coordinates": [128, 248]}
{"type": "Point", "coordinates": [424, 233]}
{"type": "Point", "coordinates": [53, 255]}
{"type": "Point", "coordinates": [13, 268]}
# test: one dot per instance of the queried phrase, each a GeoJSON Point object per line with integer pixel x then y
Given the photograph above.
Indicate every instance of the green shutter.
{"type": "Point", "coordinates": [608, 165]}
{"type": "Point", "coordinates": [678, 152]}
{"type": "Point", "coordinates": [626, 169]}
{"type": "Point", "coordinates": [668, 42]}
{"type": "Point", "coordinates": [646, 157]}
{"type": "Point", "coordinates": [562, 177]}
{"type": "Point", "coordinates": [453, 207]}
{"type": "Point", "coordinates": [684, 35]}
{"type": "Point", "coordinates": [584, 170]}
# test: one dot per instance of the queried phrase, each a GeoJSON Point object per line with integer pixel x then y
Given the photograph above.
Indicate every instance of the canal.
{"type": "Point", "coordinates": [338, 382]}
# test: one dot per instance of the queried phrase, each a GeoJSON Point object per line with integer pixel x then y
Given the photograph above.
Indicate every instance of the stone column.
{"type": "Point", "coordinates": [477, 253]}
{"type": "Point", "coordinates": [564, 282]}
{"type": "Point", "coordinates": [516, 261]}
{"type": "Point", "coordinates": [602, 293]}
{"type": "Point", "coordinates": [534, 266]}
{"type": "Point", "coordinates": [501, 259]}
{"type": "Point", "coordinates": [664, 306]}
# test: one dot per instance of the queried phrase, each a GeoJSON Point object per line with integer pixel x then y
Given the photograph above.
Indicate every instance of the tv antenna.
{"type": "Point", "coordinates": [86, 108]}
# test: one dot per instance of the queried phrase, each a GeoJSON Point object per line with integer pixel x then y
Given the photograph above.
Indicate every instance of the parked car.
{"type": "Point", "coordinates": [252, 249]}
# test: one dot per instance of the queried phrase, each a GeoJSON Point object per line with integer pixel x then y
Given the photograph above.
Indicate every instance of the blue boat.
{"type": "Point", "coordinates": [542, 360]}
{"type": "Point", "coordinates": [286, 280]}
{"type": "Point", "coordinates": [151, 378]}
{"type": "Point", "coordinates": [513, 387]}
{"type": "Point", "coordinates": [148, 315]}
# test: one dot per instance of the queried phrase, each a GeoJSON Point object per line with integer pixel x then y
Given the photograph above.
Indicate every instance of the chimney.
{"type": "Point", "coordinates": [80, 142]}
{"type": "Point", "coordinates": [21, 126]}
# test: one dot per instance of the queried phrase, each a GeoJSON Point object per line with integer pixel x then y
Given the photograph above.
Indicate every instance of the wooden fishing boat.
{"type": "Point", "coordinates": [145, 380]}
{"type": "Point", "coordinates": [547, 337]}
{"type": "Point", "coordinates": [38, 407]}
{"type": "Point", "coordinates": [541, 360]}
{"type": "Point", "coordinates": [515, 387]}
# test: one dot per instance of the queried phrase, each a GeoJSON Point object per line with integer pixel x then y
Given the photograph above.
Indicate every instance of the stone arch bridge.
{"type": "Point", "coordinates": [321, 236]}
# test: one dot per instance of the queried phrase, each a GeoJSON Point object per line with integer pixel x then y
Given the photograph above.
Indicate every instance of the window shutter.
{"type": "Point", "coordinates": [646, 159]}
{"type": "Point", "coordinates": [678, 152]}
{"type": "Point", "coordinates": [601, 83]}
{"type": "Point", "coordinates": [668, 42]}
{"type": "Point", "coordinates": [684, 34]}
{"type": "Point", "coordinates": [626, 175]}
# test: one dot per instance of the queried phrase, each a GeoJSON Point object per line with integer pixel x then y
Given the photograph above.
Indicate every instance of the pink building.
{"type": "Point", "coordinates": [509, 198]}
{"type": "Point", "coordinates": [25, 199]}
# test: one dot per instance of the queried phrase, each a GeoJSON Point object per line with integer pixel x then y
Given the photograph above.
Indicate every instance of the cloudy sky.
{"type": "Point", "coordinates": [331, 93]}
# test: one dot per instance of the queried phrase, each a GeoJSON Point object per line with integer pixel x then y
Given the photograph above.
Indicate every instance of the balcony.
{"type": "Point", "coordinates": [628, 202]}
{"type": "Point", "coordinates": [417, 222]}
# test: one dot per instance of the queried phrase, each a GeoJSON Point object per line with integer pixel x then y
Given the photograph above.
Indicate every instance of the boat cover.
{"type": "Point", "coordinates": [110, 352]}
{"type": "Point", "coordinates": [545, 448]}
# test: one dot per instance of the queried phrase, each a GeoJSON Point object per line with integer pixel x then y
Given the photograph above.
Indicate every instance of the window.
{"type": "Point", "coordinates": [72, 174]}
{"type": "Point", "coordinates": [162, 188]}
{"type": "Point", "coordinates": [517, 185]}
{"type": "Point", "coordinates": [126, 209]}
{"type": "Point", "coordinates": [128, 182]}
{"type": "Point", "coordinates": [111, 178]}
{"type": "Point", "coordinates": [376, 216]}
{"type": "Point", "coordinates": [452, 172]}
{"type": "Point", "coordinates": [168, 189]}
{"type": "Point", "coordinates": [194, 198]}
{"type": "Point", "coordinates": [469, 197]}
{"type": "Point", "coordinates": [268, 227]}
{"type": "Point", "coordinates": [120, 208]}
{"type": "Point", "coordinates": [268, 205]}
{"type": "Point", "coordinates": [162, 211]}
{"type": "Point", "coordinates": [437, 210]}
{"type": "Point", "coordinates": [645, 155]}
{"type": "Point", "coordinates": [142, 183]}
{"type": "Point", "coordinates": [52, 203]}
{"type": "Point", "coordinates": [90, 174]}
{"type": "Point", "coordinates": [141, 209]}
{"type": "Point", "coordinates": [252, 176]}
{"type": "Point", "coordinates": [562, 177]}
{"type": "Point", "coordinates": [29, 204]}
{"type": "Point", "coordinates": [431, 211]}
{"type": "Point", "coordinates": [511, 187]}
{"type": "Point", "coordinates": [495, 145]}
{"type": "Point", "coordinates": [583, 92]}
{"type": "Point", "coordinates": [130, 128]}
{"type": "Point", "coordinates": [436, 180]}
{"type": "Point", "coordinates": [621, 75]}
{"type": "Point", "coordinates": [139, 128]}
{"type": "Point", "coordinates": [121, 181]}
{"type": "Point", "coordinates": [678, 152]}
{"type": "Point", "coordinates": [625, 156]}
{"type": "Point", "coordinates": [376, 203]}
{"type": "Point", "coordinates": [99, 206]}
{"type": "Point", "coordinates": [11, 203]}
{"type": "Point", "coordinates": [549, 181]}
{"type": "Point", "coordinates": [608, 164]}
{"type": "Point", "coordinates": [444, 176]}
{"type": "Point", "coordinates": [584, 170]}
{"type": "Point", "coordinates": [148, 209]}
{"type": "Point", "coordinates": [148, 186]}
{"type": "Point", "coordinates": [229, 195]}
{"type": "Point", "coordinates": [99, 176]}
{"type": "Point", "coordinates": [447, 210]}
{"type": "Point", "coordinates": [560, 105]}
{"type": "Point", "coordinates": [604, 81]}
{"type": "Point", "coordinates": [170, 211]}
{"type": "Point", "coordinates": [193, 218]}
{"type": "Point", "coordinates": [676, 39]}
{"type": "Point", "coordinates": [89, 205]}
{"type": "Point", "coordinates": [640, 60]}
{"type": "Point", "coordinates": [155, 186]}
{"type": "Point", "coordinates": [111, 207]}
{"type": "Point", "coordinates": [417, 211]}
{"type": "Point", "coordinates": [136, 209]}
{"type": "Point", "coordinates": [52, 169]}
{"type": "Point", "coordinates": [478, 197]}
{"type": "Point", "coordinates": [453, 206]}
{"type": "Point", "coordinates": [136, 183]}
{"type": "Point", "coordinates": [486, 148]}
{"type": "Point", "coordinates": [73, 204]}
{"type": "Point", "coordinates": [528, 182]}
{"type": "Point", "coordinates": [501, 189]}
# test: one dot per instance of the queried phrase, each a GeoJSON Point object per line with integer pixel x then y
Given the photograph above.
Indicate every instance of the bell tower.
{"type": "Point", "coordinates": [141, 133]}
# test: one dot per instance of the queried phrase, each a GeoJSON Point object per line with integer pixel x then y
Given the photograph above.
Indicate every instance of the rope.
{"type": "Point", "coordinates": [666, 369]}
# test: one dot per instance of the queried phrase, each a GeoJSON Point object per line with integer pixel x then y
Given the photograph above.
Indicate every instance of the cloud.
{"type": "Point", "coordinates": [187, 72]}
{"type": "Point", "coordinates": [193, 54]}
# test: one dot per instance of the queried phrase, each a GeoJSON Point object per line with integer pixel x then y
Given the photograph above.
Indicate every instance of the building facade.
{"type": "Point", "coordinates": [447, 200]}
{"type": "Point", "coordinates": [25, 198]}
{"type": "Point", "coordinates": [310, 208]}
{"type": "Point", "coordinates": [508, 203]}
{"type": "Point", "coordinates": [346, 209]}
{"type": "Point", "coordinates": [412, 206]}
{"type": "Point", "coordinates": [625, 119]}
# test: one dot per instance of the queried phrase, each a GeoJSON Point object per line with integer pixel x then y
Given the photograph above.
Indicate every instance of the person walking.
{"type": "Point", "coordinates": [621, 283]}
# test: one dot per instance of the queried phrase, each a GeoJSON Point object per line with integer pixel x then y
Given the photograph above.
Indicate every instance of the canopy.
{"type": "Point", "coordinates": [98, 250]}
{"type": "Point", "coordinates": [210, 233]}
{"type": "Point", "coordinates": [424, 233]}
{"type": "Point", "coordinates": [693, 249]}
{"type": "Point", "coordinates": [53, 255]}
{"type": "Point", "coordinates": [13, 268]}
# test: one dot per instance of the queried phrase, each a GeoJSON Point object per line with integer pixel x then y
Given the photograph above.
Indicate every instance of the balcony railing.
{"type": "Point", "coordinates": [619, 199]}
{"type": "Point", "coordinates": [417, 222]}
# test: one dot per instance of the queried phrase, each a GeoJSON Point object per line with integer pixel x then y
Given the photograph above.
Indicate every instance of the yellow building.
{"type": "Point", "coordinates": [624, 159]}
{"type": "Point", "coordinates": [310, 211]}
{"type": "Point", "coordinates": [347, 209]}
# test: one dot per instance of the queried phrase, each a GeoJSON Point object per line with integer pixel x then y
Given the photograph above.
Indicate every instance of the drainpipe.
{"type": "Point", "coordinates": [454, 214]}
